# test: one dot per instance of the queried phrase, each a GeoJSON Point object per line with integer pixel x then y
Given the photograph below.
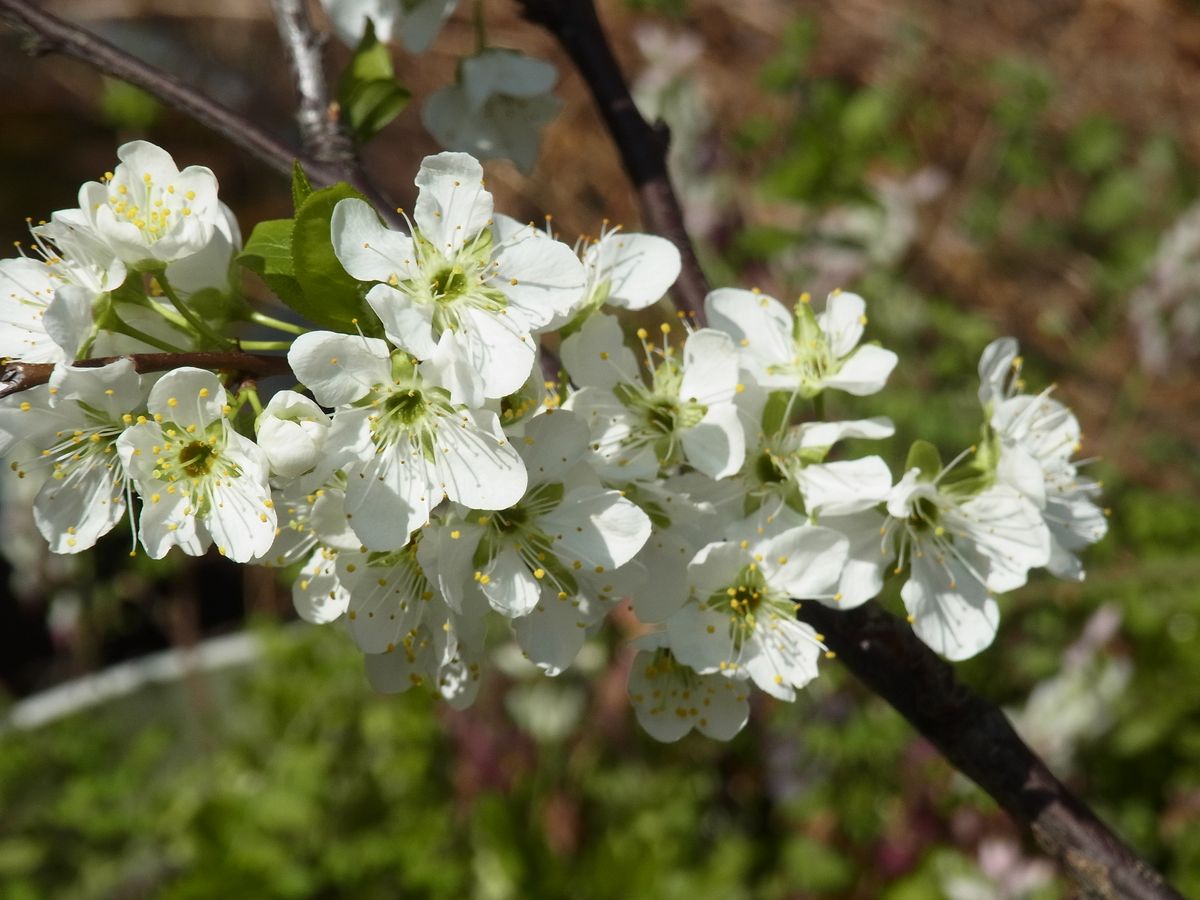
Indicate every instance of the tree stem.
{"type": "Point", "coordinates": [21, 376]}
{"type": "Point", "coordinates": [978, 740]}
{"type": "Point", "coordinates": [47, 33]}
{"type": "Point", "coordinates": [643, 147]}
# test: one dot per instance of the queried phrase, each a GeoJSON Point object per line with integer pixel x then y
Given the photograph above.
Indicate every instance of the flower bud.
{"type": "Point", "coordinates": [291, 432]}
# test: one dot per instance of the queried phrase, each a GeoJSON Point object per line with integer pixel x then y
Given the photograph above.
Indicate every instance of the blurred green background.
{"type": "Point", "coordinates": [1028, 168]}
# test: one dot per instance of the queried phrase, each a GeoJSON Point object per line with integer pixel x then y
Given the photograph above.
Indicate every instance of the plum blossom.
{"type": "Point", "coordinates": [201, 482]}
{"type": "Point", "coordinates": [400, 438]}
{"type": "Point", "coordinates": [483, 279]}
{"type": "Point", "coordinates": [740, 619]}
{"type": "Point", "coordinates": [496, 108]}
{"type": "Point", "coordinates": [414, 23]}
{"type": "Point", "coordinates": [960, 550]}
{"type": "Point", "coordinates": [799, 350]}
{"type": "Point", "coordinates": [671, 699]}
{"type": "Point", "coordinates": [147, 212]}
{"type": "Point", "coordinates": [685, 414]}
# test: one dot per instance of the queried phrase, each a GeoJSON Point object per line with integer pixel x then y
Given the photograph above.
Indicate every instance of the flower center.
{"type": "Point", "coordinates": [197, 458]}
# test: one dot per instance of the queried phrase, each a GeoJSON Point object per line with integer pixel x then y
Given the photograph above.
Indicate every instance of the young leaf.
{"type": "Point", "coordinates": [301, 187]}
{"type": "Point", "coordinates": [268, 254]}
{"type": "Point", "coordinates": [330, 296]}
{"type": "Point", "coordinates": [368, 92]}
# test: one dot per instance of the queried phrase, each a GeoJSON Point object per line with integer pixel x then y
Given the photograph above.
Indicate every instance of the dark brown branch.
{"type": "Point", "coordinates": [978, 740]}
{"type": "Point", "coordinates": [320, 129]}
{"type": "Point", "coordinates": [49, 34]}
{"type": "Point", "coordinates": [21, 376]}
{"type": "Point", "coordinates": [643, 147]}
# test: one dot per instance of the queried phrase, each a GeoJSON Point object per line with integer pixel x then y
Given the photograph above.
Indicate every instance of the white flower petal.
{"type": "Point", "coordinates": [952, 612]}
{"type": "Point", "coordinates": [368, 249]}
{"type": "Point", "coordinates": [452, 204]}
{"type": "Point", "coordinates": [339, 368]}
{"type": "Point", "coordinates": [639, 268]}
{"type": "Point", "coordinates": [864, 373]}
{"type": "Point", "coordinates": [717, 445]}
{"type": "Point", "coordinates": [596, 355]}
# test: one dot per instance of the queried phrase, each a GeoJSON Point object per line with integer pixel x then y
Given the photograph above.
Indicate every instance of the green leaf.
{"type": "Point", "coordinates": [329, 296]}
{"type": "Point", "coordinates": [368, 93]}
{"type": "Point", "coordinates": [301, 186]}
{"type": "Point", "coordinates": [924, 456]}
{"type": "Point", "coordinates": [370, 105]}
{"type": "Point", "coordinates": [371, 59]}
{"type": "Point", "coordinates": [268, 254]}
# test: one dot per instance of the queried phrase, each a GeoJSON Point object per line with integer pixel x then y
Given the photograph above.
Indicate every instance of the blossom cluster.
{"type": "Point", "coordinates": [425, 477]}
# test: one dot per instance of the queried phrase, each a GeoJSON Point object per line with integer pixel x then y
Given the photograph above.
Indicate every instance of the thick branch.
{"type": "Point", "coordinates": [323, 136]}
{"type": "Point", "coordinates": [643, 147]}
{"type": "Point", "coordinates": [49, 34]}
{"type": "Point", "coordinates": [21, 376]}
{"type": "Point", "coordinates": [978, 740]}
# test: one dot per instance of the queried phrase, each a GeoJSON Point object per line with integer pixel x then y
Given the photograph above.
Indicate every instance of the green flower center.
{"type": "Point", "coordinates": [197, 458]}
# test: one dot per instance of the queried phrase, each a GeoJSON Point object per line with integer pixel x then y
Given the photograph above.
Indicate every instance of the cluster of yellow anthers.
{"type": "Point", "coordinates": [150, 208]}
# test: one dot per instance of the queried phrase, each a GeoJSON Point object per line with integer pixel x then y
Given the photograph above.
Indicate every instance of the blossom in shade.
{"type": "Point", "coordinates": [496, 108]}
{"type": "Point", "coordinates": [201, 482]}
{"type": "Point", "coordinates": [671, 699]}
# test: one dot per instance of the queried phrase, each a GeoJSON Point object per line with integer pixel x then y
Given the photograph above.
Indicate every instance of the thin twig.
{"type": "Point", "coordinates": [978, 740]}
{"type": "Point", "coordinates": [49, 34]}
{"type": "Point", "coordinates": [643, 146]}
{"type": "Point", "coordinates": [320, 129]}
{"type": "Point", "coordinates": [21, 376]}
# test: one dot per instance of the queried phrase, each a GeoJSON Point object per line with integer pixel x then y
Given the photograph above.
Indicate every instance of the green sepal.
{"type": "Point", "coordinates": [774, 412]}
{"type": "Point", "coordinates": [924, 456]}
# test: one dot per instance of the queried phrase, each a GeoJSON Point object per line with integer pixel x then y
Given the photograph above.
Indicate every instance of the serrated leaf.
{"type": "Point", "coordinates": [329, 296]}
{"type": "Point", "coordinates": [301, 186]}
{"type": "Point", "coordinates": [268, 254]}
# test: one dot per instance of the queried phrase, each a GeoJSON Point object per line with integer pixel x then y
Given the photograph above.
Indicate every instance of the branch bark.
{"type": "Point", "coordinates": [979, 741]}
{"type": "Point", "coordinates": [320, 130]}
{"type": "Point", "coordinates": [46, 33]}
{"type": "Point", "coordinates": [643, 146]}
{"type": "Point", "coordinates": [21, 376]}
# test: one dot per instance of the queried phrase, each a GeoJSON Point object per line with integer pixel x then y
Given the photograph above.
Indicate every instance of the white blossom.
{"type": "Point", "coordinates": [671, 699]}
{"type": "Point", "coordinates": [554, 558]}
{"type": "Point", "coordinates": [74, 425]}
{"type": "Point", "coordinates": [799, 350]}
{"type": "Point", "coordinates": [147, 211]}
{"type": "Point", "coordinates": [496, 108]}
{"type": "Point", "coordinates": [960, 551]}
{"type": "Point", "coordinates": [291, 432]}
{"type": "Point", "coordinates": [402, 442]}
{"type": "Point", "coordinates": [414, 23]}
{"type": "Point", "coordinates": [685, 414]}
{"type": "Point", "coordinates": [199, 479]}
{"type": "Point", "coordinates": [740, 619]}
{"type": "Point", "coordinates": [485, 279]}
